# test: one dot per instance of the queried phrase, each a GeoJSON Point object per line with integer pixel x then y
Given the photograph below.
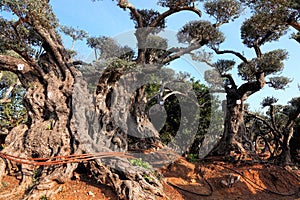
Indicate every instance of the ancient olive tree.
{"type": "Point", "coordinates": [277, 128]}
{"type": "Point", "coordinates": [61, 119]}
{"type": "Point", "coordinates": [269, 21]}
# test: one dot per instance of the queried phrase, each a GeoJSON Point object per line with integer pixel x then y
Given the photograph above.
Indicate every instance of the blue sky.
{"type": "Point", "coordinates": [105, 18]}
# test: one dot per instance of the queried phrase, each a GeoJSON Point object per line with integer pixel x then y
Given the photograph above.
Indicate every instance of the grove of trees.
{"type": "Point", "coordinates": [53, 105]}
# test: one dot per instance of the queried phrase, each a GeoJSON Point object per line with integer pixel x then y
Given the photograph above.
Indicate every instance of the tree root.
{"type": "Point", "coordinates": [129, 182]}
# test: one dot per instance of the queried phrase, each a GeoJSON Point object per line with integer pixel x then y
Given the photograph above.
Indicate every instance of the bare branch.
{"type": "Point", "coordinates": [172, 11]}
{"type": "Point", "coordinates": [125, 4]}
{"type": "Point", "coordinates": [264, 121]}
{"type": "Point", "coordinates": [240, 56]}
{"type": "Point", "coordinates": [181, 52]}
{"type": "Point", "coordinates": [6, 98]}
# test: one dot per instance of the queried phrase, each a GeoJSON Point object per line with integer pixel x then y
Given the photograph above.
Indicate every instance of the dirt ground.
{"type": "Point", "coordinates": [188, 181]}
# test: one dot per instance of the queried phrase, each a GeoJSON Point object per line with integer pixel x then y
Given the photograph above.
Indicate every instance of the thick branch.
{"type": "Point", "coordinates": [252, 86]}
{"type": "Point", "coordinates": [230, 79]}
{"type": "Point", "coordinates": [172, 11]}
{"type": "Point", "coordinates": [53, 46]}
{"type": "Point", "coordinates": [294, 24]}
{"type": "Point", "coordinates": [240, 56]}
{"type": "Point", "coordinates": [181, 52]}
{"type": "Point", "coordinates": [9, 63]}
{"type": "Point", "coordinates": [125, 4]}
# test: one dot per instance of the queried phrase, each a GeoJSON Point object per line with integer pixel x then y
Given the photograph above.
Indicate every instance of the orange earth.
{"type": "Point", "coordinates": [183, 180]}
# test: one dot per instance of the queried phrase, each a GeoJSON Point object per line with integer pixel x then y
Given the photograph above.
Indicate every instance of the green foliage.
{"type": "Point", "coordinates": [224, 66]}
{"type": "Point", "coordinates": [193, 158]}
{"type": "Point", "coordinates": [174, 105]}
{"type": "Point", "coordinates": [223, 10]}
{"type": "Point", "coordinates": [12, 112]}
{"type": "Point", "coordinates": [139, 162]}
{"type": "Point", "coordinates": [201, 32]}
{"type": "Point", "coordinates": [21, 35]}
{"type": "Point", "coordinates": [270, 63]}
{"type": "Point", "coordinates": [107, 47]}
{"type": "Point", "coordinates": [268, 101]}
{"type": "Point", "coordinates": [296, 36]}
{"type": "Point", "coordinates": [267, 24]}
{"type": "Point", "coordinates": [44, 197]}
{"type": "Point", "coordinates": [279, 82]}
{"type": "Point", "coordinates": [75, 34]}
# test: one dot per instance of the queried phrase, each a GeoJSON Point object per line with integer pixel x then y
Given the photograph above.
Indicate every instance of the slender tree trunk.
{"type": "Point", "coordinates": [285, 155]}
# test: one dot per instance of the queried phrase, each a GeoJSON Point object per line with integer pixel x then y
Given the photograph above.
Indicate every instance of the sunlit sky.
{"type": "Point", "coordinates": [106, 18]}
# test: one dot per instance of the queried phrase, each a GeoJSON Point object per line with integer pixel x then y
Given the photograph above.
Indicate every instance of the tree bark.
{"type": "Point", "coordinates": [234, 130]}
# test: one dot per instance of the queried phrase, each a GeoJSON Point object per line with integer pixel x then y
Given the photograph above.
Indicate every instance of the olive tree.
{"type": "Point", "coordinates": [269, 21]}
{"type": "Point", "coordinates": [61, 119]}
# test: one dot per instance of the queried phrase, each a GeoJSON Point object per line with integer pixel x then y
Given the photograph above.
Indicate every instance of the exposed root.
{"type": "Point", "coordinates": [129, 182]}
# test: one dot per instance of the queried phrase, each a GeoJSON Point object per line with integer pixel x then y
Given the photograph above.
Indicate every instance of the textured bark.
{"type": "Point", "coordinates": [234, 133]}
{"type": "Point", "coordinates": [47, 134]}
{"type": "Point", "coordinates": [105, 121]}
{"type": "Point", "coordinates": [64, 119]}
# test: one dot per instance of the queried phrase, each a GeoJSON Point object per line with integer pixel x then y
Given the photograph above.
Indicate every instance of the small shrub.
{"type": "Point", "coordinates": [139, 162]}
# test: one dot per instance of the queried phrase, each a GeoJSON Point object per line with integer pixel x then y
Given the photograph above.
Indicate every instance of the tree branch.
{"type": "Point", "coordinates": [257, 49]}
{"type": "Point", "coordinates": [181, 52]}
{"type": "Point", "coordinates": [172, 11]}
{"type": "Point", "coordinates": [240, 56]}
{"type": "Point", "coordinates": [9, 63]}
{"type": "Point", "coordinates": [263, 121]}
{"type": "Point", "coordinates": [253, 86]}
{"type": "Point", "coordinates": [294, 24]}
{"type": "Point", "coordinates": [230, 79]}
{"type": "Point", "coordinates": [125, 4]}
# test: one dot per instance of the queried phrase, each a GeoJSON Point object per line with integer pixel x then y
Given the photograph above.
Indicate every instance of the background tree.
{"type": "Point", "coordinates": [270, 21]}
{"type": "Point", "coordinates": [277, 128]}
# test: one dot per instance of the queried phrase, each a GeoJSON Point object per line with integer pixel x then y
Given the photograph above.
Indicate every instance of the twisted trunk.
{"type": "Point", "coordinates": [64, 119]}
{"type": "Point", "coordinates": [234, 132]}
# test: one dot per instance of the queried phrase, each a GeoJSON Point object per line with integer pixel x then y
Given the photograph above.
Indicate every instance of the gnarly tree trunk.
{"type": "Point", "coordinates": [233, 128]}
{"type": "Point", "coordinates": [286, 151]}
{"type": "Point", "coordinates": [105, 122]}
{"type": "Point", "coordinates": [64, 119]}
{"type": "Point", "coordinates": [47, 133]}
